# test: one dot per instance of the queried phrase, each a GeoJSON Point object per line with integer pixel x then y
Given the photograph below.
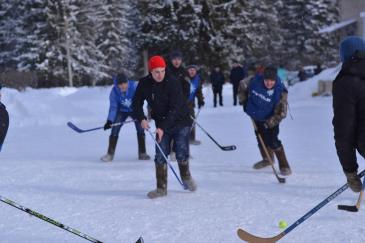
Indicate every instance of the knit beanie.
{"type": "Point", "coordinates": [156, 62]}
{"type": "Point", "coordinates": [121, 78]}
{"type": "Point", "coordinates": [349, 46]}
{"type": "Point", "coordinates": [270, 73]}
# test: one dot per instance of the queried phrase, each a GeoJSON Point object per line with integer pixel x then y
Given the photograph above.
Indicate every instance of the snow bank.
{"type": "Point", "coordinates": [304, 90]}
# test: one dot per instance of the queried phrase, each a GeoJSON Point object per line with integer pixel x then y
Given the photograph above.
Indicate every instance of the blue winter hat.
{"type": "Point", "coordinates": [349, 46]}
{"type": "Point", "coordinates": [176, 54]}
{"type": "Point", "coordinates": [120, 78]}
{"type": "Point", "coordinates": [192, 66]}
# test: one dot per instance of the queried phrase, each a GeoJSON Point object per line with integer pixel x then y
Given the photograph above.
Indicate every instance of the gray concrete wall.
{"type": "Point", "coordinates": [351, 9]}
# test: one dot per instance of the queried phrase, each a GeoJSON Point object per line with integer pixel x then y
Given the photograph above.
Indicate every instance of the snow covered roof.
{"type": "Point", "coordinates": [337, 26]}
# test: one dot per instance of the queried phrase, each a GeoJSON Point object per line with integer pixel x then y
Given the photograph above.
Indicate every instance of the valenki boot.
{"type": "Point", "coordinates": [186, 176]}
{"type": "Point", "coordinates": [111, 149]}
{"type": "Point", "coordinates": [265, 161]}
{"type": "Point", "coordinates": [161, 177]}
{"type": "Point", "coordinates": [283, 162]}
{"type": "Point", "coordinates": [142, 155]}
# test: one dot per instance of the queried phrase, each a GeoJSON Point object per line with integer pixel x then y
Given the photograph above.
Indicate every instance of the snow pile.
{"type": "Point", "coordinates": [55, 106]}
{"type": "Point", "coordinates": [305, 89]}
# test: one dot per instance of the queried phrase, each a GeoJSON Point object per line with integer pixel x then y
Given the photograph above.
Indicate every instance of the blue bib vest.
{"type": "Point", "coordinates": [121, 101]}
{"type": "Point", "coordinates": [194, 85]}
{"type": "Point", "coordinates": [262, 101]}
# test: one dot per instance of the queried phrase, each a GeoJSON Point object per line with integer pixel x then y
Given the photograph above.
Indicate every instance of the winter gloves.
{"type": "Point", "coordinates": [354, 181]}
{"type": "Point", "coordinates": [108, 125]}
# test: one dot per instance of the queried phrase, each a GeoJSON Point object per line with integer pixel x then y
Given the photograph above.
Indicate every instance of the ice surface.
{"type": "Point", "coordinates": [51, 169]}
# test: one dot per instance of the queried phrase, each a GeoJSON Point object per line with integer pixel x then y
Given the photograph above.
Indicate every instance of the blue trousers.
{"type": "Point", "coordinates": [180, 135]}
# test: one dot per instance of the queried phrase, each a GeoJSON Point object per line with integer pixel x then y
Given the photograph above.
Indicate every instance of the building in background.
{"type": "Point", "coordinates": [352, 19]}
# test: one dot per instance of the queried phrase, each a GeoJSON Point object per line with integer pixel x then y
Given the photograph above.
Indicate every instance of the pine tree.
{"type": "Point", "coordinates": [10, 31]}
{"type": "Point", "coordinates": [301, 21]}
{"type": "Point", "coordinates": [114, 38]}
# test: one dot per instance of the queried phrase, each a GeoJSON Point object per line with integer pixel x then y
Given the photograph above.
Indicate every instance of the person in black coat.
{"type": "Point", "coordinates": [4, 121]}
{"type": "Point", "coordinates": [217, 80]}
{"type": "Point", "coordinates": [237, 74]}
{"type": "Point", "coordinates": [349, 108]}
{"type": "Point", "coordinates": [172, 119]}
{"type": "Point", "coordinates": [177, 71]}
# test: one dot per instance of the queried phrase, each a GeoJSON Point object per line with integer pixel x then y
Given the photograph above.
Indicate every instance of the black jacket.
{"type": "Point", "coordinates": [4, 123]}
{"type": "Point", "coordinates": [217, 79]}
{"type": "Point", "coordinates": [237, 74]}
{"type": "Point", "coordinates": [349, 111]}
{"type": "Point", "coordinates": [180, 75]}
{"type": "Point", "coordinates": [165, 99]}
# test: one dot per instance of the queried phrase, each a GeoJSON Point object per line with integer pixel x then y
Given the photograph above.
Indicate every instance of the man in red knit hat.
{"type": "Point", "coordinates": [171, 114]}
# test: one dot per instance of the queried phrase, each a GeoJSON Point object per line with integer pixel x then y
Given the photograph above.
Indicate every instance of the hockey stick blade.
{"type": "Point", "coordinates": [74, 127]}
{"type": "Point", "coordinates": [228, 148]}
{"type": "Point", "coordinates": [281, 179]}
{"type": "Point", "coordinates": [348, 208]}
{"type": "Point", "coordinates": [243, 235]}
{"type": "Point", "coordinates": [354, 208]}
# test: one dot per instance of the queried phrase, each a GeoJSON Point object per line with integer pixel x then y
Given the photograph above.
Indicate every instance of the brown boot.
{"type": "Point", "coordinates": [283, 162]}
{"type": "Point", "coordinates": [265, 161]}
{"type": "Point", "coordinates": [142, 155]}
{"type": "Point", "coordinates": [161, 178]}
{"type": "Point", "coordinates": [186, 176]}
{"type": "Point", "coordinates": [111, 149]}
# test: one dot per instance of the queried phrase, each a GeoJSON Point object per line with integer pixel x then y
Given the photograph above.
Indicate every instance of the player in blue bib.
{"type": "Point", "coordinates": [121, 97]}
{"type": "Point", "coordinates": [195, 93]}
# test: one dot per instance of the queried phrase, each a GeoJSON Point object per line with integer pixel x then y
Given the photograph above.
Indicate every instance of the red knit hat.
{"type": "Point", "coordinates": [156, 62]}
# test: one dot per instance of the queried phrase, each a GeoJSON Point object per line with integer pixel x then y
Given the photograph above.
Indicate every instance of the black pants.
{"type": "Point", "coordinates": [235, 92]}
{"type": "Point", "coordinates": [217, 91]}
{"type": "Point", "coordinates": [270, 136]}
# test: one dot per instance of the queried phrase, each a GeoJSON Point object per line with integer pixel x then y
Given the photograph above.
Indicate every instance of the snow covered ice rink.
{"type": "Point", "coordinates": [51, 169]}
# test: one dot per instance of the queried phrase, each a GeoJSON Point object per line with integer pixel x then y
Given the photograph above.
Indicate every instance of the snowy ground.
{"type": "Point", "coordinates": [51, 169]}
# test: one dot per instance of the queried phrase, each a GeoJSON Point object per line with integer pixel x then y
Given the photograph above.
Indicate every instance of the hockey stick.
{"type": "Point", "coordinates": [48, 220]}
{"type": "Point", "coordinates": [79, 130]}
{"type": "Point", "coordinates": [140, 240]}
{"type": "Point", "coordinates": [167, 161]}
{"type": "Point", "coordinates": [280, 179]}
{"type": "Point", "coordinates": [244, 235]}
{"type": "Point", "coordinates": [355, 208]}
{"type": "Point", "coordinates": [196, 118]}
{"type": "Point", "coordinates": [225, 148]}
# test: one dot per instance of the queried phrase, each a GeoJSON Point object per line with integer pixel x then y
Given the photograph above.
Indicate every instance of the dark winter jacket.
{"type": "Point", "coordinates": [4, 123]}
{"type": "Point", "coordinates": [180, 75]}
{"type": "Point", "coordinates": [237, 74]}
{"type": "Point", "coordinates": [349, 111]}
{"type": "Point", "coordinates": [121, 102]}
{"type": "Point", "coordinates": [217, 80]}
{"type": "Point", "coordinates": [195, 92]}
{"type": "Point", "coordinates": [278, 112]}
{"type": "Point", "coordinates": [165, 99]}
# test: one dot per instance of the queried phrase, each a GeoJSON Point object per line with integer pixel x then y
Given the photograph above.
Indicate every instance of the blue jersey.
{"type": "Point", "coordinates": [121, 101]}
{"type": "Point", "coordinates": [194, 86]}
{"type": "Point", "coordinates": [262, 101]}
